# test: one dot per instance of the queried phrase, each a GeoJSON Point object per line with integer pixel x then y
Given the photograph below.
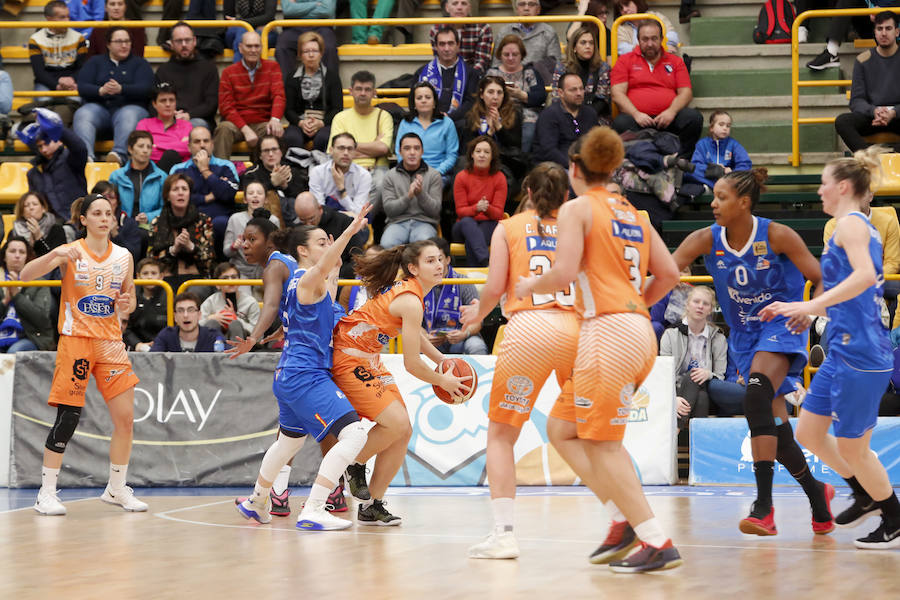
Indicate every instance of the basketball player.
{"type": "Point", "coordinates": [97, 286]}
{"type": "Point", "coordinates": [394, 307]}
{"type": "Point", "coordinates": [847, 389]}
{"type": "Point", "coordinates": [522, 245]}
{"type": "Point", "coordinates": [308, 399]}
{"type": "Point", "coordinates": [754, 261]}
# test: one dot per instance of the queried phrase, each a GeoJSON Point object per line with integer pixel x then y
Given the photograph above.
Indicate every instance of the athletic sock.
{"type": "Point", "coordinates": [764, 470]}
{"type": "Point", "coordinates": [651, 532]}
{"type": "Point", "coordinates": [117, 474]}
{"type": "Point", "coordinates": [48, 479]}
{"type": "Point", "coordinates": [832, 47]}
{"type": "Point", "coordinates": [503, 513]}
{"type": "Point", "coordinates": [815, 491]}
{"type": "Point", "coordinates": [612, 511]}
{"type": "Point", "coordinates": [890, 510]}
{"type": "Point", "coordinates": [318, 493]}
{"type": "Point", "coordinates": [858, 490]}
{"type": "Point", "coordinates": [260, 494]}
{"type": "Point", "coordinates": [281, 480]}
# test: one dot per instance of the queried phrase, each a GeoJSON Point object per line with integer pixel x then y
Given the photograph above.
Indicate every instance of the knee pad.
{"type": "Point", "coordinates": [758, 405]}
{"type": "Point", "coordinates": [352, 437]}
{"type": "Point", "coordinates": [63, 429]}
{"type": "Point", "coordinates": [279, 453]}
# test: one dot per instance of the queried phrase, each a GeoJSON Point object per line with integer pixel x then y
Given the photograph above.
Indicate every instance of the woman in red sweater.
{"type": "Point", "coordinates": [480, 195]}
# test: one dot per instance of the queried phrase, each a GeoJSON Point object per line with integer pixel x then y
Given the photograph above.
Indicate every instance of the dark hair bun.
{"type": "Point", "coordinates": [261, 213]}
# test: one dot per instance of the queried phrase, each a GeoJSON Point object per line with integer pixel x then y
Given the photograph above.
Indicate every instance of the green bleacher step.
{"type": "Point", "coordinates": [748, 82]}
{"type": "Point", "coordinates": [776, 137]}
{"type": "Point", "coordinates": [713, 31]}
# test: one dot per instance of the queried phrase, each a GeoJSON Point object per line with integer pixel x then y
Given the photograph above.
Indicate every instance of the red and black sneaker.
{"type": "Point", "coordinates": [823, 527]}
{"type": "Point", "coordinates": [755, 525]}
{"type": "Point", "coordinates": [649, 558]}
{"type": "Point", "coordinates": [280, 505]}
{"type": "Point", "coordinates": [336, 502]}
{"type": "Point", "coordinates": [619, 541]}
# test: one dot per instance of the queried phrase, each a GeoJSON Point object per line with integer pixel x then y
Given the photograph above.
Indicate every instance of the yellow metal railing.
{"type": "Point", "coordinates": [796, 84]}
{"type": "Point", "coordinates": [614, 38]}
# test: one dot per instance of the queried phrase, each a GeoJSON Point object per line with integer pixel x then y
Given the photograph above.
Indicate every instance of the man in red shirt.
{"type": "Point", "coordinates": [652, 89]}
{"type": "Point", "coordinates": [251, 99]}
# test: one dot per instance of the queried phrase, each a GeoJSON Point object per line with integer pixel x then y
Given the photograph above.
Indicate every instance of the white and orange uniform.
{"type": "Point", "coordinates": [542, 333]}
{"type": "Point", "coordinates": [617, 345]}
{"type": "Point", "coordinates": [90, 339]}
{"type": "Point", "coordinates": [359, 339]}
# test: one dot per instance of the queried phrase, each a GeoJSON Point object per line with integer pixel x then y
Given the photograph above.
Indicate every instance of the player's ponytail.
{"type": "Point", "coordinates": [380, 270]}
{"type": "Point", "coordinates": [748, 183]}
{"type": "Point", "coordinates": [548, 185]}
{"type": "Point", "coordinates": [597, 154]}
{"type": "Point", "coordinates": [861, 170]}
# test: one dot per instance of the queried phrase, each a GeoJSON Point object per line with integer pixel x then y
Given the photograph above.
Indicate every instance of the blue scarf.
{"type": "Point", "coordinates": [442, 312]}
{"type": "Point", "coordinates": [432, 74]}
{"type": "Point", "coordinates": [11, 327]}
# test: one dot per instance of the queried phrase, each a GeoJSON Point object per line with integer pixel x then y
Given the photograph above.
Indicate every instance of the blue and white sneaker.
{"type": "Point", "coordinates": [315, 517]}
{"type": "Point", "coordinates": [253, 510]}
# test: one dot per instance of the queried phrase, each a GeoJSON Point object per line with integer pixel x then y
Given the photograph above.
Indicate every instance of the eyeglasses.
{"type": "Point", "coordinates": [186, 310]}
{"type": "Point", "coordinates": [269, 150]}
{"type": "Point", "coordinates": [345, 148]}
{"type": "Point", "coordinates": [181, 41]}
{"type": "Point", "coordinates": [119, 41]}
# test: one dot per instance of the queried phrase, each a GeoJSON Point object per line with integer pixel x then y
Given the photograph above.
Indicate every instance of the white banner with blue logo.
{"type": "Point", "coordinates": [720, 453]}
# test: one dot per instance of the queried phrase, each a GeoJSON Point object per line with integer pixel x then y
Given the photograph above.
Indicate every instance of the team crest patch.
{"type": "Point", "coordinates": [760, 248]}
{"type": "Point", "coordinates": [383, 338]}
{"type": "Point", "coordinates": [669, 68]}
{"type": "Point", "coordinates": [762, 264]}
{"type": "Point", "coordinates": [519, 385]}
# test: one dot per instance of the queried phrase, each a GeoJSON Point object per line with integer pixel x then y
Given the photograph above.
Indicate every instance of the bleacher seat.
{"type": "Point", "coordinates": [98, 171]}
{"type": "Point", "coordinates": [12, 174]}
{"type": "Point", "coordinates": [890, 183]}
{"type": "Point", "coordinates": [501, 331]}
{"type": "Point", "coordinates": [8, 220]}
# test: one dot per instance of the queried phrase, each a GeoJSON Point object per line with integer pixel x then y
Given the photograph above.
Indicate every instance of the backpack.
{"type": "Point", "coordinates": [774, 24]}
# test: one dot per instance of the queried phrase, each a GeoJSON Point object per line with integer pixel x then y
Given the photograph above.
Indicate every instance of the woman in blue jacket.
{"type": "Point", "coordinates": [440, 143]}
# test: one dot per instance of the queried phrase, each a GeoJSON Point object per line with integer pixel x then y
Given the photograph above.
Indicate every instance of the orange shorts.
{"type": "Point", "coordinates": [78, 357]}
{"type": "Point", "coordinates": [366, 383]}
{"type": "Point", "coordinates": [536, 343]}
{"type": "Point", "coordinates": [616, 352]}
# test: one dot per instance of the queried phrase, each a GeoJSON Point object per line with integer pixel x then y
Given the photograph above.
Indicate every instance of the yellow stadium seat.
{"type": "Point", "coordinates": [14, 183]}
{"type": "Point", "coordinates": [8, 220]}
{"type": "Point", "coordinates": [890, 183]}
{"type": "Point", "coordinates": [14, 52]}
{"type": "Point", "coordinates": [98, 171]}
{"type": "Point", "coordinates": [501, 331]}
{"type": "Point", "coordinates": [457, 249]}
{"type": "Point", "coordinates": [384, 50]}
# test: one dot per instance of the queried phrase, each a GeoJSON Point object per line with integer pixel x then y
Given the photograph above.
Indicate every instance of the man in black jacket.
{"type": "Point", "coordinates": [333, 223]}
{"type": "Point", "coordinates": [187, 335]}
{"type": "Point", "coordinates": [196, 80]}
{"type": "Point", "coordinates": [58, 170]}
{"type": "Point", "coordinates": [278, 176]}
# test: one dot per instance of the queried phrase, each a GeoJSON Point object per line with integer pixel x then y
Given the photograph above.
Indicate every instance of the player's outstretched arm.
{"type": "Point", "coordinates": [46, 263]}
{"type": "Point", "coordinates": [274, 276]}
{"type": "Point", "coordinates": [663, 268]}
{"type": "Point", "coordinates": [498, 272]}
{"type": "Point", "coordinates": [312, 285]}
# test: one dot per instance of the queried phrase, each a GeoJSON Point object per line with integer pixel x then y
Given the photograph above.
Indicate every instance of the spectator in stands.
{"type": "Point", "coordinates": [582, 58]}
{"type": "Point", "coordinates": [669, 311]}
{"type": "Point", "coordinates": [115, 87]}
{"type": "Point", "coordinates": [181, 238]}
{"type": "Point", "coordinates": [362, 34]}
{"type": "Point", "coordinates": [451, 76]}
{"type": "Point", "coordinates": [475, 39]}
{"type": "Point", "coordinates": [718, 154]}
{"type": "Point", "coordinates": [286, 49]}
{"type": "Point", "coordinates": [479, 192]}
{"type": "Point", "coordinates": [628, 35]}
{"type": "Point", "coordinates": [233, 246]}
{"type": "Point", "coordinates": [6, 100]}
{"type": "Point", "coordinates": [595, 8]}
{"type": "Point", "coordinates": [231, 309]}
{"type": "Point", "coordinates": [149, 316]}
{"type": "Point", "coordinates": [170, 134]}
{"type": "Point", "coordinates": [56, 54]}
{"type": "Point", "coordinates": [652, 89]}
{"type": "Point", "coordinates": [541, 42]}
{"type": "Point", "coordinates": [282, 179]}
{"type": "Point", "coordinates": [26, 313]}
{"type": "Point", "coordinates": [837, 32]}
{"type": "Point", "coordinates": [124, 230]}
{"type": "Point", "coordinates": [187, 335]}
{"type": "Point", "coordinates": [439, 139]}
{"type": "Point", "coordinates": [58, 170]}
{"type": "Point", "coordinates": [563, 121]}
{"type": "Point", "coordinates": [331, 221]}
{"type": "Point", "coordinates": [412, 197]}
{"type": "Point", "coordinates": [115, 11]}
{"type": "Point", "coordinates": [251, 99]}
{"type": "Point", "coordinates": [441, 317]}
{"type": "Point", "coordinates": [314, 96]}
{"type": "Point", "coordinates": [195, 79]}
{"type": "Point", "coordinates": [495, 115]}
{"type": "Point", "coordinates": [255, 12]}
{"type": "Point", "coordinates": [875, 91]}
{"type": "Point", "coordinates": [139, 183]}
{"type": "Point", "coordinates": [341, 183]}
{"type": "Point", "coordinates": [214, 180]}
{"type": "Point", "coordinates": [524, 85]}
{"type": "Point", "coordinates": [373, 130]}
{"type": "Point", "coordinates": [171, 11]}
{"type": "Point", "coordinates": [35, 224]}
{"type": "Point", "coordinates": [86, 10]}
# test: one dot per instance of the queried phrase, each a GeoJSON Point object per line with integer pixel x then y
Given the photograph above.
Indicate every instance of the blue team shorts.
{"type": "Point", "coordinates": [848, 395]}
{"type": "Point", "coordinates": [773, 337]}
{"type": "Point", "coordinates": [309, 402]}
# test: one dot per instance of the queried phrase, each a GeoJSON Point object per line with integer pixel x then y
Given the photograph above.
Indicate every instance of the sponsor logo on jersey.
{"type": "Point", "coordinates": [81, 265]}
{"type": "Point", "coordinates": [762, 264]}
{"type": "Point", "coordinates": [721, 265]}
{"type": "Point", "coordinates": [117, 269]}
{"type": "Point", "coordinates": [739, 298]}
{"type": "Point", "coordinates": [96, 305]}
{"type": "Point", "coordinates": [383, 338]}
{"type": "Point", "coordinates": [772, 338]}
{"type": "Point", "coordinates": [583, 402]}
{"type": "Point", "coordinates": [536, 242]}
{"type": "Point", "coordinates": [669, 68]}
{"type": "Point", "coordinates": [519, 385]}
{"type": "Point", "coordinates": [760, 248]}
{"type": "Point", "coordinates": [627, 232]}
{"type": "Point", "coordinates": [82, 279]}
{"type": "Point", "coordinates": [115, 284]}
{"type": "Point", "coordinates": [624, 215]}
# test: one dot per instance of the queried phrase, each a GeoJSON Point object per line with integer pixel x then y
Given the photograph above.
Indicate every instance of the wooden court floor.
{"type": "Point", "coordinates": [197, 546]}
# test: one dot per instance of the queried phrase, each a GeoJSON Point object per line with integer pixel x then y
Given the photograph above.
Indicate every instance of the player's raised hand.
{"type": "Point", "coordinates": [240, 346]}
{"type": "Point", "coordinates": [468, 314]}
{"type": "Point", "coordinates": [796, 312]}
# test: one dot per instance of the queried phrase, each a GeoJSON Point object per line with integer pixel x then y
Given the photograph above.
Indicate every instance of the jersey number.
{"type": "Point", "coordinates": [539, 264]}
{"type": "Point", "coordinates": [633, 257]}
{"type": "Point", "coordinates": [740, 275]}
{"type": "Point", "coordinates": [99, 282]}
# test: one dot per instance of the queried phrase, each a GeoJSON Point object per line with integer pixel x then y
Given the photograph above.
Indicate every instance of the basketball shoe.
{"type": "Point", "coordinates": [48, 503]}
{"type": "Point", "coordinates": [499, 544]}
{"type": "Point", "coordinates": [280, 505]}
{"type": "Point", "coordinates": [376, 514]}
{"type": "Point", "coordinates": [620, 539]}
{"type": "Point", "coordinates": [884, 538]}
{"type": "Point", "coordinates": [862, 508]}
{"type": "Point", "coordinates": [336, 502]}
{"type": "Point", "coordinates": [759, 526]}
{"type": "Point", "coordinates": [124, 498]}
{"type": "Point", "coordinates": [649, 558]}
{"type": "Point", "coordinates": [252, 510]}
{"type": "Point", "coordinates": [356, 482]}
{"type": "Point", "coordinates": [823, 527]}
{"type": "Point", "coordinates": [314, 517]}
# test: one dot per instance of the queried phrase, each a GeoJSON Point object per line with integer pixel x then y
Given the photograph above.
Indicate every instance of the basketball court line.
{"type": "Point", "coordinates": [31, 506]}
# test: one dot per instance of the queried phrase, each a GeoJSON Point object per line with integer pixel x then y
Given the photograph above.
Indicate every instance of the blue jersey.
{"type": "Point", "coordinates": [291, 265]}
{"type": "Point", "coordinates": [307, 338]}
{"type": "Point", "coordinates": [855, 329]}
{"type": "Point", "coordinates": [752, 277]}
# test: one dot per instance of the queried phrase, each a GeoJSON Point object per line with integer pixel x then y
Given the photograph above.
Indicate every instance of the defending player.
{"type": "Point", "coordinates": [754, 261]}
{"type": "Point", "coordinates": [847, 389]}
{"type": "Point", "coordinates": [96, 285]}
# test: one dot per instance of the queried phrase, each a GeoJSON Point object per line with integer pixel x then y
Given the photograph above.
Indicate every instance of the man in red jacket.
{"type": "Point", "coordinates": [251, 99]}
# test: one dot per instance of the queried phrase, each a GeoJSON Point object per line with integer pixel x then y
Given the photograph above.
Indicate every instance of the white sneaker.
{"type": "Point", "coordinates": [802, 34]}
{"type": "Point", "coordinates": [252, 510]}
{"type": "Point", "coordinates": [499, 544]}
{"type": "Point", "coordinates": [124, 498]}
{"type": "Point", "coordinates": [314, 517]}
{"type": "Point", "coordinates": [48, 503]}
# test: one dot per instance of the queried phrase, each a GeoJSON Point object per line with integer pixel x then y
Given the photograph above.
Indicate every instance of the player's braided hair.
{"type": "Point", "coordinates": [748, 183]}
{"type": "Point", "coordinates": [380, 270]}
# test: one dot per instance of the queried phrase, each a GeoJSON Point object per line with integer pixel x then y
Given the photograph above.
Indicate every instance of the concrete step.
{"type": "Point", "coordinates": [775, 137]}
{"type": "Point", "coordinates": [709, 31]}
{"type": "Point", "coordinates": [747, 82]}
{"type": "Point", "coordinates": [771, 108]}
{"type": "Point", "coordinates": [761, 56]}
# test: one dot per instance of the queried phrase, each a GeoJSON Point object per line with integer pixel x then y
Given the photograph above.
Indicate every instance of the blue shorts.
{"type": "Point", "coordinates": [848, 395]}
{"type": "Point", "coordinates": [309, 402]}
{"type": "Point", "coordinates": [773, 337]}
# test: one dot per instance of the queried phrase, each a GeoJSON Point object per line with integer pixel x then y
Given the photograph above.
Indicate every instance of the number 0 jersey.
{"type": "Point", "coordinates": [90, 287]}
{"type": "Point", "coordinates": [530, 253]}
{"type": "Point", "coordinates": [614, 263]}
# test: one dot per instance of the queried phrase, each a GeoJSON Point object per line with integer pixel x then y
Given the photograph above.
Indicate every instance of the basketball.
{"type": "Point", "coordinates": [461, 369]}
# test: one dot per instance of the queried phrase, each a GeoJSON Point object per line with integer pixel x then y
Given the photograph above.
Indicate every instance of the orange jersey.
{"type": "Point", "coordinates": [531, 254]}
{"type": "Point", "coordinates": [90, 287]}
{"type": "Point", "coordinates": [614, 263]}
{"type": "Point", "coordinates": [369, 327]}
